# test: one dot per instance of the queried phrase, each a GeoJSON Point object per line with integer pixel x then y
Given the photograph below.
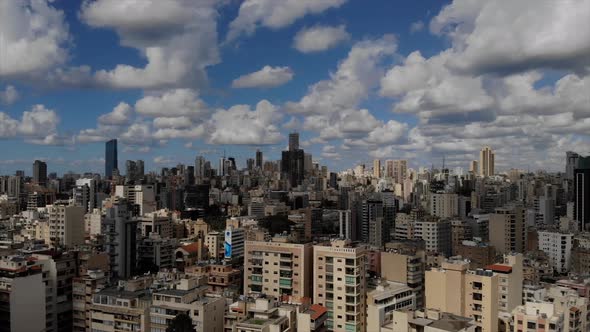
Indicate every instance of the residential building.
{"type": "Point", "coordinates": [66, 226]}
{"type": "Point", "coordinates": [406, 267]}
{"type": "Point", "coordinates": [507, 229]}
{"type": "Point", "coordinates": [384, 300]}
{"type": "Point", "coordinates": [444, 205]}
{"type": "Point", "coordinates": [83, 289]}
{"type": "Point", "coordinates": [558, 247]}
{"type": "Point", "coordinates": [340, 284]}
{"type": "Point", "coordinates": [486, 162]}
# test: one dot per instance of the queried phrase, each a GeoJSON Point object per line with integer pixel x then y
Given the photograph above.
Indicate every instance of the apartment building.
{"type": "Point", "coordinates": [66, 226]}
{"type": "Point", "coordinates": [278, 268]}
{"type": "Point", "coordinates": [558, 247]}
{"type": "Point", "coordinates": [386, 298]}
{"type": "Point", "coordinates": [187, 296]}
{"type": "Point", "coordinates": [507, 230]}
{"type": "Point", "coordinates": [340, 284]}
{"type": "Point", "coordinates": [83, 288]}
{"type": "Point", "coordinates": [444, 205]}
{"type": "Point", "coordinates": [473, 294]}
{"type": "Point", "coordinates": [406, 267]}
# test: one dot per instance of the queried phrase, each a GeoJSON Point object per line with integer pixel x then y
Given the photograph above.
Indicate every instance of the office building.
{"type": "Point", "coordinates": [455, 289]}
{"type": "Point", "coordinates": [40, 173]}
{"type": "Point", "coordinates": [292, 166]}
{"type": "Point", "coordinates": [278, 269]}
{"type": "Point", "coordinates": [293, 141]}
{"type": "Point", "coordinates": [507, 229]}
{"type": "Point", "coordinates": [581, 193]}
{"type": "Point", "coordinates": [110, 158]}
{"type": "Point", "coordinates": [340, 284]}
{"type": "Point", "coordinates": [400, 170]}
{"type": "Point", "coordinates": [259, 159]}
{"type": "Point", "coordinates": [486, 162]}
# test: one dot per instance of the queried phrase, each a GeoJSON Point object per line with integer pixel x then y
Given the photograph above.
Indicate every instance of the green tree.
{"type": "Point", "coordinates": [181, 323]}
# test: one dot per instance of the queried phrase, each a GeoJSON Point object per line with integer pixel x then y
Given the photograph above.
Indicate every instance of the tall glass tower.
{"type": "Point", "coordinates": [110, 159]}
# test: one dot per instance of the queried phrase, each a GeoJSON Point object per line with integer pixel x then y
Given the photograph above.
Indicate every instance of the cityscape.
{"type": "Point", "coordinates": [284, 165]}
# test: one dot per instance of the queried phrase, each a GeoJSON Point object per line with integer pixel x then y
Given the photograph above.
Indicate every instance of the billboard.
{"type": "Point", "coordinates": [228, 244]}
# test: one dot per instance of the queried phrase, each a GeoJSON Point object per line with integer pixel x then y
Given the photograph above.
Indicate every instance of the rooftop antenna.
{"type": "Point", "coordinates": [443, 165]}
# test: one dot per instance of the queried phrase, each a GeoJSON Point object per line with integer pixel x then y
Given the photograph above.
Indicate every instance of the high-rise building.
{"type": "Point", "coordinates": [120, 233]}
{"type": "Point", "coordinates": [292, 166]}
{"type": "Point", "coordinates": [582, 193]}
{"type": "Point", "coordinates": [400, 170]}
{"type": "Point", "coordinates": [455, 289]}
{"type": "Point", "coordinates": [278, 269]}
{"type": "Point", "coordinates": [85, 194]}
{"type": "Point", "coordinates": [571, 163]}
{"type": "Point", "coordinates": [110, 159]}
{"type": "Point", "coordinates": [66, 225]}
{"type": "Point", "coordinates": [293, 141]}
{"type": "Point", "coordinates": [473, 167]}
{"type": "Point", "coordinates": [259, 159]}
{"type": "Point", "coordinates": [444, 205]}
{"type": "Point", "coordinates": [486, 162]}
{"type": "Point", "coordinates": [375, 229]}
{"type": "Point", "coordinates": [40, 173]}
{"type": "Point", "coordinates": [200, 167]}
{"type": "Point", "coordinates": [507, 229]}
{"type": "Point", "coordinates": [389, 168]}
{"type": "Point", "coordinates": [377, 168]}
{"type": "Point", "coordinates": [558, 247]}
{"type": "Point", "coordinates": [340, 284]}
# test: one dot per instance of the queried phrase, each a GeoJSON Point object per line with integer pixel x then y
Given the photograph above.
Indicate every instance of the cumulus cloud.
{"type": "Point", "coordinates": [274, 14]}
{"type": "Point", "coordinates": [37, 126]}
{"type": "Point", "coordinates": [121, 115]}
{"type": "Point", "coordinates": [267, 77]}
{"type": "Point", "coordinates": [319, 38]}
{"type": "Point", "coordinates": [242, 125]}
{"type": "Point", "coordinates": [543, 34]}
{"type": "Point", "coordinates": [354, 78]}
{"type": "Point", "coordinates": [172, 103]}
{"type": "Point", "coordinates": [9, 95]}
{"type": "Point", "coordinates": [177, 38]}
{"type": "Point", "coordinates": [34, 38]}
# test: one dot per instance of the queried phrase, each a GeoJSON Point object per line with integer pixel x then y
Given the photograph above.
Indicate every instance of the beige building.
{"type": "Point", "coordinates": [377, 168]}
{"type": "Point", "coordinates": [340, 284]}
{"type": "Point", "coordinates": [507, 229]}
{"type": "Point", "coordinates": [187, 297]}
{"type": "Point", "coordinates": [266, 316]}
{"type": "Point", "coordinates": [400, 170]}
{"type": "Point", "coordinates": [278, 268]}
{"type": "Point", "coordinates": [406, 267]}
{"type": "Point", "coordinates": [83, 288]}
{"type": "Point", "coordinates": [510, 283]}
{"type": "Point", "coordinates": [474, 167]}
{"type": "Point", "coordinates": [444, 205]}
{"type": "Point", "coordinates": [537, 316]}
{"type": "Point", "coordinates": [214, 243]}
{"type": "Point", "coordinates": [383, 300]}
{"type": "Point", "coordinates": [455, 289]}
{"type": "Point", "coordinates": [66, 225]}
{"type": "Point", "coordinates": [428, 321]}
{"type": "Point", "coordinates": [486, 162]}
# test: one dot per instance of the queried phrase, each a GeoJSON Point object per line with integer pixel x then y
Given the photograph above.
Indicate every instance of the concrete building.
{"type": "Point", "coordinates": [428, 321]}
{"type": "Point", "coordinates": [406, 267]}
{"type": "Point", "coordinates": [234, 243]}
{"type": "Point", "coordinates": [66, 226]}
{"type": "Point", "coordinates": [214, 242]}
{"type": "Point", "coordinates": [435, 233]}
{"type": "Point", "coordinates": [455, 289]}
{"type": "Point", "coordinates": [479, 253]}
{"type": "Point", "coordinates": [141, 197]}
{"type": "Point", "coordinates": [340, 284]}
{"type": "Point", "coordinates": [537, 316]}
{"type": "Point", "coordinates": [186, 297]}
{"type": "Point", "coordinates": [265, 316]}
{"type": "Point", "coordinates": [486, 162]}
{"type": "Point", "coordinates": [507, 229]}
{"type": "Point", "coordinates": [83, 288]}
{"type": "Point", "coordinates": [22, 295]}
{"type": "Point", "coordinates": [125, 307]}
{"type": "Point", "coordinates": [444, 205]}
{"type": "Point", "coordinates": [558, 247]}
{"type": "Point", "coordinates": [384, 300]}
{"type": "Point", "coordinates": [510, 283]}
{"type": "Point", "coordinates": [155, 251]}
{"type": "Point", "coordinates": [400, 170]}
{"type": "Point", "coordinates": [120, 233]}
{"type": "Point", "coordinates": [278, 269]}
{"type": "Point", "coordinates": [377, 168]}
{"type": "Point", "coordinates": [223, 279]}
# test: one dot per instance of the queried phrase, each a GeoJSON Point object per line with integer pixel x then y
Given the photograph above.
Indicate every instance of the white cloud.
{"type": "Point", "coordinates": [172, 103]}
{"type": "Point", "coordinates": [9, 95]}
{"type": "Point", "coordinates": [267, 77]}
{"type": "Point", "coordinates": [242, 125]}
{"type": "Point", "coordinates": [351, 83]}
{"type": "Point", "coordinates": [163, 160]}
{"type": "Point", "coordinates": [8, 125]}
{"type": "Point", "coordinates": [543, 34]}
{"type": "Point", "coordinates": [319, 38]}
{"type": "Point", "coordinates": [34, 37]}
{"type": "Point", "coordinates": [416, 26]}
{"type": "Point", "coordinates": [121, 115]}
{"type": "Point", "coordinates": [183, 133]}
{"type": "Point", "coordinates": [178, 39]}
{"type": "Point", "coordinates": [274, 14]}
{"type": "Point", "coordinates": [173, 122]}
{"type": "Point", "coordinates": [38, 122]}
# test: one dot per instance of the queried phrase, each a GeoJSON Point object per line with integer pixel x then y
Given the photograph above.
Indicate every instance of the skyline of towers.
{"type": "Point", "coordinates": [110, 160]}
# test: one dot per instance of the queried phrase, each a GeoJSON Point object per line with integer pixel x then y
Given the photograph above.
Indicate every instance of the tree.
{"type": "Point", "coordinates": [181, 323]}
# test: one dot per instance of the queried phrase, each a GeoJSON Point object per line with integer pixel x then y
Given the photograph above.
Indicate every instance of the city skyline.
{"type": "Point", "coordinates": [252, 78]}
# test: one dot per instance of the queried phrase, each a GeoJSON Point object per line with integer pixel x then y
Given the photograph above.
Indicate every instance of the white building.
{"type": "Point", "coordinates": [66, 225]}
{"type": "Point", "coordinates": [141, 196]}
{"type": "Point", "coordinates": [444, 205]}
{"type": "Point", "coordinates": [558, 247]}
{"type": "Point", "coordinates": [386, 298]}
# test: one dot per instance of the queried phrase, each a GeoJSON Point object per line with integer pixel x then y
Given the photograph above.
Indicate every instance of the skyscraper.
{"type": "Point", "coordinates": [293, 141]}
{"type": "Point", "coordinates": [571, 163]}
{"type": "Point", "coordinates": [400, 170]}
{"type": "Point", "coordinates": [582, 192]}
{"type": "Point", "coordinates": [200, 167]}
{"type": "Point", "coordinates": [473, 166]}
{"type": "Point", "coordinates": [110, 159]}
{"type": "Point", "coordinates": [376, 168]}
{"type": "Point", "coordinates": [259, 159]}
{"type": "Point", "coordinates": [486, 162]}
{"type": "Point", "coordinates": [40, 173]}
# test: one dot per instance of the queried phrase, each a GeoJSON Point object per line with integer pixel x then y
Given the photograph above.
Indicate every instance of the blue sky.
{"type": "Point", "coordinates": [387, 79]}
